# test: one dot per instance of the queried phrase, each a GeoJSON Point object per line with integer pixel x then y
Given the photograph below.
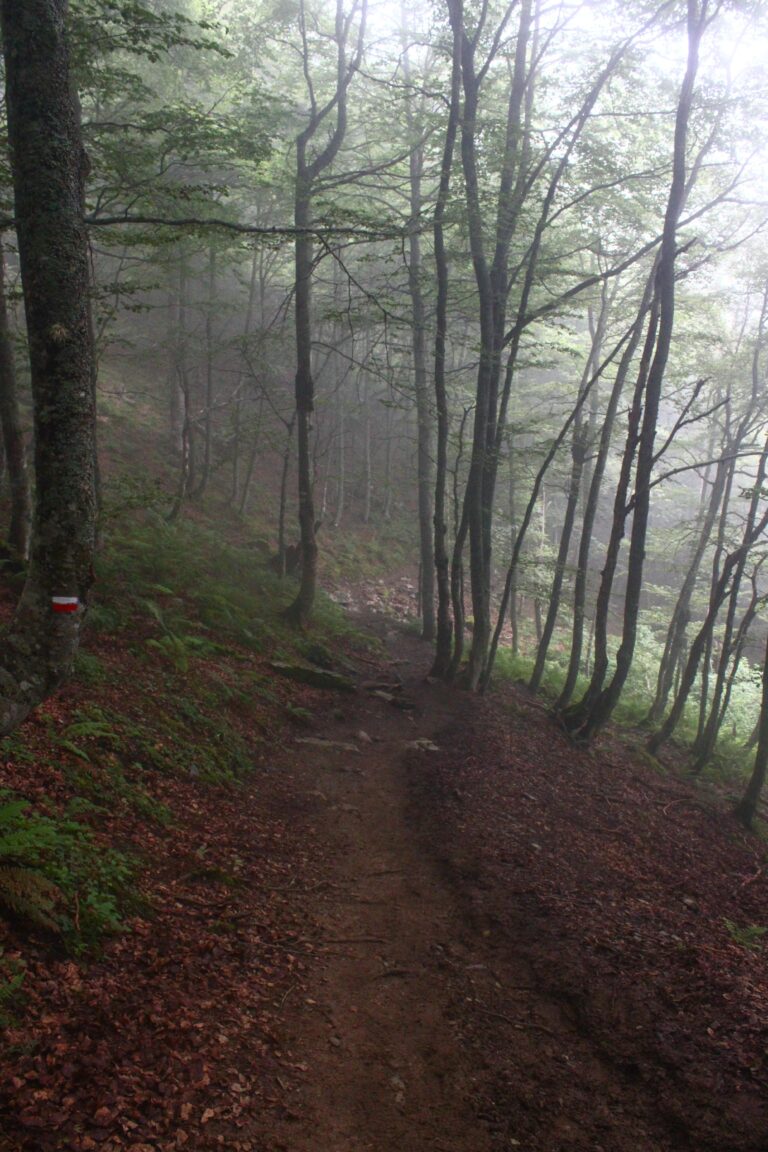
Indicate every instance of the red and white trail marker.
{"type": "Point", "coordinates": [65, 603]}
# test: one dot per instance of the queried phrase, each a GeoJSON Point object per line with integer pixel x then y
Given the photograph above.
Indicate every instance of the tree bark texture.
{"type": "Point", "coordinates": [13, 437]}
{"type": "Point", "coordinates": [49, 169]}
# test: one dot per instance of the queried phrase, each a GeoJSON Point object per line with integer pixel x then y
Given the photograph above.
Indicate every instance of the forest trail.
{"type": "Point", "coordinates": [422, 921]}
{"type": "Point", "coordinates": [431, 1020]}
{"type": "Point", "coordinates": [386, 1069]}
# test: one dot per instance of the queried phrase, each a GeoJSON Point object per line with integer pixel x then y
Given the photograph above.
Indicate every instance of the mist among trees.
{"type": "Point", "coordinates": [493, 275]}
{"type": "Point", "coordinates": [454, 315]}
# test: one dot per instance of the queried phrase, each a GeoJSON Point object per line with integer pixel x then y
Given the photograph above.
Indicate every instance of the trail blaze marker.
{"type": "Point", "coordinates": [65, 603]}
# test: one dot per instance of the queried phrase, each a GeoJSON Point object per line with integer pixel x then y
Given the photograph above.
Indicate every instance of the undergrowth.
{"type": "Point", "coordinates": [731, 760]}
{"type": "Point", "coordinates": [54, 876]}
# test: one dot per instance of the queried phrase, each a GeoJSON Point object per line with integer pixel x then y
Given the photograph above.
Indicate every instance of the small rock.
{"type": "Point", "coordinates": [422, 745]}
{"type": "Point", "coordinates": [363, 737]}
{"type": "Point", "coordinates": [397, 1083]}
{"type": "Point", "coordinates": [334, 1041]}
{"type": "Point", "coordinates": [336, 745]}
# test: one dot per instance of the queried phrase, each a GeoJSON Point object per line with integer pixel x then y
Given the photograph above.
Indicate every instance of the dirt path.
{"type": "Point", "coordinates": [450, 1009]}
{"type": "Point", "coordinates": [386, 1068]}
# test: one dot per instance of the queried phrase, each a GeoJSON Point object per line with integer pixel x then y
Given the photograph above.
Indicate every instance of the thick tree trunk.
{"type": "Point", "coordinates": [49, 168]}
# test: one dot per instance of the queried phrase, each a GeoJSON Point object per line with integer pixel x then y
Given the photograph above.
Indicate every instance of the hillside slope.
{"type": "Point", "coordinates": [246, 905]}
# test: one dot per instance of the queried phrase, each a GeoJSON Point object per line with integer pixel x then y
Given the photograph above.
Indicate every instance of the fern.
{"type": "Point", "coordinates": [54, 876]}
{"type": "Point", "coordinates": [746, 935]}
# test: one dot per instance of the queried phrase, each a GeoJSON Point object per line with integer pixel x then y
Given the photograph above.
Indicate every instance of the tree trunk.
{"type": "Point", "coordinates": [675, 641]}
{"type": "Point", "coordinates": [237, 446]}
{"type": "Point", "coordinates": [746, 809]}
{"type": "Point", "coordinates": [708, 739]}
{"type": "Point", "coordinates": [424, 430]}
{"type": "Point", "coordinates": [301, 609]}
{"type": "Point", "coordinates": [579, 448]}
{"type": "Point", "coordinates": [578, 451]}
{"type": "Point", "coordinates": [444, 628]}
{"type": "Point", "coordinates": [281, 546]}
{"type": "Point", "coordinates": [341, 475]}
{"type": "Point", "coordinates": [731, 564]}
{"type": "Point", "coordinates": [307, 172]}
{"type": "Point", "coordinates": [592, 504]}
{"type": "Point", "coordinates": [209, 362]}
{"type": "Point", "coordinates": [13, 437]}
{"type": "Point", "coordinates": [604, 704]}
{"type": "Point", "coordinates": [49, 170]}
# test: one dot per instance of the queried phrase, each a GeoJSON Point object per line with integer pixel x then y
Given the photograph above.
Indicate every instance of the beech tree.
{"type": "Point", "coordinates": [309, 167]}
{"type": "Point", "coordinates": [589, 718]}
{"type": "Point", "coordinates": [49, 168]}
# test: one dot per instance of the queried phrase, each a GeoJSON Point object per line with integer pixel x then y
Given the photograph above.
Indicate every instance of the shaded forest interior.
{"type": "Point", "coordinates": [317, 314]}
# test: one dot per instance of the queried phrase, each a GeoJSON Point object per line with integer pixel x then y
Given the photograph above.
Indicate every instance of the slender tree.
{"type": "Point", "coordinates": [659, 341]}
{"type": "Point", "coordinates": [331, 116]}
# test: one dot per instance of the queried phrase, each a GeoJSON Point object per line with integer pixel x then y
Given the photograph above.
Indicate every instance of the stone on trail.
{"type": "Point", "coordinates": [314, 677]}
{"type": "Point", "coordinates": [331, 745]}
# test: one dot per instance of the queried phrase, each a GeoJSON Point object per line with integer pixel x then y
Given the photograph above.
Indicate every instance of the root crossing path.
{"type": "Point", "coordinates": [444, 1008]}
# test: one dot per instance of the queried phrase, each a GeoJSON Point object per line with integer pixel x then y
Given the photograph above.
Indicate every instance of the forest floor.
{"type": "Point", "coordinates": [427, 923]}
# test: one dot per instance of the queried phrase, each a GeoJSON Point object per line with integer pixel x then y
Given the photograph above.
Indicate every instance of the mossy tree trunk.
{"type": "Point", "coordinates": [49, 169]}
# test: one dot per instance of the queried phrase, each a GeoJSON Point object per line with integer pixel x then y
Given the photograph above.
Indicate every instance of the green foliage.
{"type": "Point", "coordinates": [179, 739]}
{"type": "Point", "coordinates": [53, 875]}
{"type": "Point", "coordinates": [106, 742]}
{"type": "Point", "coordinates": [747, 935]}
{"type": "Point", "coordinates": [201, 585]}
{"type": "Point", "coordinates": [130, 493]}
{"type": "Point", "coordinates": [101, 27]}
{"type": "Point", "coordinates": [89, 669]}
